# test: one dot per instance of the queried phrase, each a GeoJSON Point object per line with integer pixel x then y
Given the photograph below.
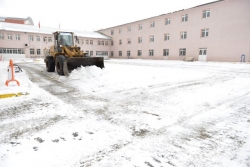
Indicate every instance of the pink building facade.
{"type": "Point", "coordinates": [28, 41]}
{"type": "Point", "coordinates": [218, 31]}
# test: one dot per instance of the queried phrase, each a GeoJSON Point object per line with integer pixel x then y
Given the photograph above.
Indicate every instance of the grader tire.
{"type": "Point", "coordinates": [59, 64]}
{"type": "Point", "coordinates": [50, 64]}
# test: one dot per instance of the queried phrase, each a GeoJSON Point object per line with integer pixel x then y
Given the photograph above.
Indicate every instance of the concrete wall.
{"type": "Point", "coordinates": [229, 33]}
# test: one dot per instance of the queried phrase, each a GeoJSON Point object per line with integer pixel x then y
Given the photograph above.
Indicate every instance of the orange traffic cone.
{"type": "Point", "coordinates": [11, 74]}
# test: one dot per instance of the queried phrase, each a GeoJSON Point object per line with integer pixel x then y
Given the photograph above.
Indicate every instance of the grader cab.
{"type": "Point", "coordinates": [64, 56]}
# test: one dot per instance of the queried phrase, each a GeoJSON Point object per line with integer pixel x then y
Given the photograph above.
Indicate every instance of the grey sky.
{"type": "Point", "coordinates": [91, 14]}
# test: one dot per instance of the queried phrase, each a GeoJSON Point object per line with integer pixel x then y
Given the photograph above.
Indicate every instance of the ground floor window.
{"type": "Point", "coordinates": [111, 53]}
{"type": "Point", "coordinates": [128, 53]}
{"type": "Point", "coordinates": [182, 52]}
{"type": "Point", "coordinates": [120, 53]}
{"type": "Point", "coordinates": [151, 52]}
{"type": "Point", "coordinates": [12, 50]}
{"type": "Point", "coordinates": [203, 51]}
{"type": "Point", "coordinates": [165, 52]}
{"type": "Point", "coordinates": [101, 53]}
{"type": "Point", "coordinates": [91, 53]}
{"type": "Point", "coordinates": [32, 51]}
{"type": "Point", "coordinates": [38, 51]}
{"type": "Point", "coordinates": [139, 52]}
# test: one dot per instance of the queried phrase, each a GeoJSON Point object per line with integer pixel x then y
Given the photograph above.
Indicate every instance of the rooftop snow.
{"type": "Point", "coordinates": [47, 30]}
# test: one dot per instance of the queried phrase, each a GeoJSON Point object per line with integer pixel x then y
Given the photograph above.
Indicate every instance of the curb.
{"type": "Point", "coordinates": [12, 95]}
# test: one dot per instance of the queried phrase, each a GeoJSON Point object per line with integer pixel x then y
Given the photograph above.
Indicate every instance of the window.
{"type": "Point", "coordinates": [204, 32]}
{"type": "Point", "coordinates": [87, 41]}
{"type": "Point", "coordinates": [139, 39]}
{"type": "Point", "coordinates": [106, 43]}
{"type": "Point", "coordinates": [129, 28]}
{"type": "Point", "coordinates": [101, 53]}
{"type": "Point", "coordinates": [183, 35]}
{"type": "Point", "coordinates": [37, 38]}
{"type": "Point", "coordinates": [165, 52]}
{"type": "Point", "coordinates": [203, 51]}
{"type": "Point", "coordinates": [152, 24]}
{"type": "Point", "coordinates": [32, 51]}
{"type": "Point", "coordinates": [111, 53]}
{"type": "Point", "coordinates": [129, 41]}
{"type": "Point", "coordinates": [128, 53]}
{"type": "Point", "coordinates": [9, 50]}
{"type": "Point", "coordinates": [14, 51]}
{"type": "Point", "coordinates": [151, 38]}
{"type": "Point", "coordinates": [167, 21]}
{"type": "Point", "coordinates": [120, 31]}
{"type": "Point", "coordinates": [18, 38]}
{"type": "Point", "coordinates": [87, 52]}
{"type": "Point", "coordinates": [112, 32]}
{"type": "Point", "coordinates": [139, 52]}
{"type": "Point", "coordinates": [38, 51]}
{"type": "Point", "coordinates": [184, 17]}
{"type": "Point", "coordinates": [82, 41]}
{"type": "Point", "coordinates": [102, 42]}
{"type": "Point", "coordinates": [120, 42]}
{"type": "Point", "coordinates": [9, 36]}
{"type": "Point", "coordinates": [44, 39]}
{"type": "Point", "coordinates": [50, 39]}
{"type": "Point", "coordinates": [140, 26]}
{"type": "Point", "coordinates": [99, 42]}
{"type": "Point", "coordinates": [206, 13]}
{"type": "Point", "coordinates": [151, 52]}
{"type": "Point", "coordinates": [166, 37]}
{"type": "Point", "coordinates": [120, 53]}
{"type": "Point", "coordinates": [182, 52]}
{"type": "Point", "coordinates": [91, 42]}
{"type": "Point", "coordinates": [91, 53]}
{"type": "Point", "coordinates": [30, 37]}
{"type": "Point", "coordinates": [1, 35]}
{"type": "Point", "coordinates": [112, 43]}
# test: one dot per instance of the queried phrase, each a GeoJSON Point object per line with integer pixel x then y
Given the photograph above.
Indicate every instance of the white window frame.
{"type": "Point", "coordinates": [166, 37]}
{"type": "Point", "coordinates": [128, 52]}
{"type": "Point", "coordinates": [129, 28]}
{"type": "Point", "coordinates": [140, 27]}
{"type": "Point", "coordinates": [45, 39]}
{"type": "Point", "coordinates": [182, 51]}
{"type": "Point", "coordinates": [202, 51]}
{"type": "Point", "coordinates": [120, 42]}
{"type": "Point", "coordinates": [111, 53]}
{"type": "Point", "coordinates": [32, 51]}
{"type": "Point", "coordinates": [152, 24]}
{"type": "Point", "coordinates": [112, 32]}
{"type": "Point", "coordinates": [120, 30]}
{"type": "Point", "coordinates": [139, 39]}
{"type": "Point", "coordinates": [9, 36]}
{"type": "Point", "coordinates": [31, 38]}
{"type": "Point", "coordinates": [38, 51]}
{"type": "Point", "coordinates": [50, 39]}
{"type": "Point", "coordinates": [204, 32]}
{"type": "Point", "coordinates": [18, 37]}
{"type": "Point", "coordinates": [167, 21]}
{"type": "Point", "coordinates": [120, 53]}
{"type": "Point", "coordinates": [151, 52]}
{"type": "Point", "coordinates": [184, 18]}
{"type": "Point", "coordinates": [87, 42]}
{"type": "Point", "coordinates": [91, 42]}
{"type": "Point", "coordinates": [1, 35]}
{"type": "Point", "coordinates": [165, 52]}
{"type": "Point", "coordinates": [151, 38]}
{"type": "Point", "coordinates": [206, 13]}
{"type": "Point", "coordinates": [184, 35]}
{"type": "Point", "coordinates": [38, 38]}
{"type": "Point", "coordinates": [91, 53]}
{"type": "Point", "coordinates": [129, 41]}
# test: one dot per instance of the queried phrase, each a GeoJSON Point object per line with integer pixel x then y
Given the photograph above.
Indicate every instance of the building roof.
{"type": "Point", "coordinates": [46, 30]}
{"type": "Point", "coordinates": [16, 18]}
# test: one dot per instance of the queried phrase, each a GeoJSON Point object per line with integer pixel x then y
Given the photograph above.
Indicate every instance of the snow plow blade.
{"type": "Point", "coordinates": [75, 62]}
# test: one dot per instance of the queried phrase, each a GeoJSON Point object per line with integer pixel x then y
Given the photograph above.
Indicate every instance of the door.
{"type": "Point", "coordinates": [203, 54]}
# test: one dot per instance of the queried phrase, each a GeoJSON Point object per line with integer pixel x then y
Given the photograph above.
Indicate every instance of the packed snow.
{"type": "Point", "coordinates": [138, 113]}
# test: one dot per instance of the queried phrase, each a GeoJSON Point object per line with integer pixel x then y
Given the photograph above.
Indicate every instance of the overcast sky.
{"type": "Point", "coordinates": [91, 14]}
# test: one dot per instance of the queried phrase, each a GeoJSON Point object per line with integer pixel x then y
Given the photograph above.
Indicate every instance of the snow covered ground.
{"type": "Point", "coordinates": [138, 113]}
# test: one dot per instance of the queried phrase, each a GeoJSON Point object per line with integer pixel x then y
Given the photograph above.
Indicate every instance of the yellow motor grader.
{"type": "Point", "coordinates": [64, 56]}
